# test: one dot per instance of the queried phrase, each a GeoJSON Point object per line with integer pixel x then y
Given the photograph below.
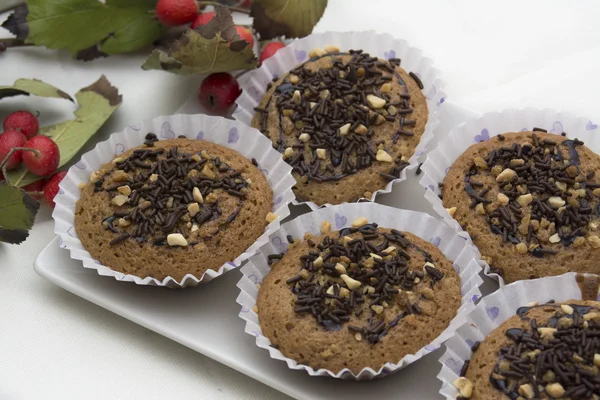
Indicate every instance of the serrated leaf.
{"type": "Point", "coordinates": [118, 26]}
{"type": "Point", "coordinates": [17, 213]}
{"type": "Point", "coordinates": [16, 23]}
{"type": "Point", "coordinates": [290, 18]}
{"type": "Point", "coordinates": [214, 47]}
{"type": "Point", "coordinates": [97, 102]}
{"type": "Point", "coordinates": [34, 87]}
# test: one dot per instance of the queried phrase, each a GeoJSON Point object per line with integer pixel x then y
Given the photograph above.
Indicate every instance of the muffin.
{"type": "Point", "coordinates": [356, 298]}
{"type": "Point", "coordinates": [171, 208]}
{"type": "Point", "coordinates": [346, 122]}
{"type": "Point", "coordinates": [548, 351]}
{"type": "Point", "coordinates": [530, 202]}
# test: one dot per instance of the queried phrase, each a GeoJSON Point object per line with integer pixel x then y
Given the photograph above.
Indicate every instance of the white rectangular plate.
{"type": "Point", "coordinates": [205, 318]}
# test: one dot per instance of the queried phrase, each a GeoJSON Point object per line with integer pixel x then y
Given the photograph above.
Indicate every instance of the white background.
{"type": "Point", "coordinates": [493, 55]}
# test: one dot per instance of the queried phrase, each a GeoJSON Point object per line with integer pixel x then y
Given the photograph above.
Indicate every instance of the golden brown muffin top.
{"type": "Point", "coordinates": [530, 202]}
{"type": "Point", "coordinates": [344, 118]}
{"type": "Point", "coordinates": [357, 298]}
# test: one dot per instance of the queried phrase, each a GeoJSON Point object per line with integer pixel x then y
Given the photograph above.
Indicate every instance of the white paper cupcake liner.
{"type": "Point", "coordinates": [491, 312]}
{"type": "Point", "coordinates": [341, 216]}
{"type": "Point", "coordinates": [234, 135]}
{"type": "Point", "coordinates": [440, 159]}
{"type": "Point", "coordinates": [254, 83]}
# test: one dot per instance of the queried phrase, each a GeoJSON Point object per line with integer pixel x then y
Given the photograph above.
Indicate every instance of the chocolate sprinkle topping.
{"type": "Point", "coordinates": [326, 117]}
{"type": "Point", "coordinates": [156, 187]}
{"type": "Point", "coordinates": [547, 197]}
{"type": "Point", "coordinates": [559, 359]}
{"type": "Point", "coordinates": [365, 268]}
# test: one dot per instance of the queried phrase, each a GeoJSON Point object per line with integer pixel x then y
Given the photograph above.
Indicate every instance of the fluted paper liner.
{"type": "Point", "coordinates": [232, 134]}
{"type": "Point", "coordinates": [492, 124]}
{"type": "Point", "coordinates": [341, 216]}
{"type": "Point", "coordinates": [254, 83]}
{"type": "Point", "coordinates": [491, 312]}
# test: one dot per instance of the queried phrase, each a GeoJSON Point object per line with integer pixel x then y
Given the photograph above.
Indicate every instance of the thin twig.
{"type": "Point", "coordinates": [217, 4]}
{"type": "Point", "coordinates": [32, 194]}
{"type": "Point", "coordinates": [5, 161]}
{"type": "Point", "coordinates": [13, 42]}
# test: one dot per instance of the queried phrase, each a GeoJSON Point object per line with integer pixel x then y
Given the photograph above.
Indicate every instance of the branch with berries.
{"type": "Point", "coordinates": [30, 155]}
{"type": "Point", "coordinates": [210, 43]}
{"type": "Point", "coordinates": [115, 27]}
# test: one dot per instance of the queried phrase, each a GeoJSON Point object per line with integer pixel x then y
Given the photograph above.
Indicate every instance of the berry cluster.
{"type": "Point", "coordinates": [219, 90]}
{"type": "Point", "coordinates": [20, 143]}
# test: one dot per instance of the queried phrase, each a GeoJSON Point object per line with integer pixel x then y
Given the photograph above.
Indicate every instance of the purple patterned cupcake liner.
{"type": "Point", "coordinates": [254, 83]}
{"type": "Point", "coordinates": [234, 135]}
{"type": "Point", "coordinates": [492, 311]}
{"type": "Point", "coordinates": [341, 216]}
{"type": "Point", "coordinates": [440, 159]}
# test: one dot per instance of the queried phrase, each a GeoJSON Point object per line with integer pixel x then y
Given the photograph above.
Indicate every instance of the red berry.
{"type": "Point", "coordinates": [22, 121]}
{"type": "Point", "coordinates": [46, 160]}
{"type": "Point", "coordinates": [218, 92]}
{"type": "Point", "coordinates": [247, 3]}
{"type": "Point", "coordinates": [51, 187]}
{"type": "Point", "coordinates": [176, 12]}
{"type": "Point", "coordinates": [8, 140]}
{"type": "Point", "coordinates": [245, 34]}
{"type": "Point", "coordinates": [35, 187]}
{"type": "Point", "coordinates": [269, 50]}
{"type": "Point", "coordinates": [202, 19]}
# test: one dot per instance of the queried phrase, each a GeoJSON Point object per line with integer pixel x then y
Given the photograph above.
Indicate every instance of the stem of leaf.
{"type": "Point", "coordinates": [5, 161]}
{"type": "Point", "coordinates": [32, 194]}
{"type": "Point", "coordinates": [12, 42]}
{"type": "Point", "coordinates": [216, 4]}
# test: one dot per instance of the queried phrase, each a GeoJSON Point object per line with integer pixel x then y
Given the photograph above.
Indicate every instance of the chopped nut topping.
{"type": "Point", "coordinates": [304, 137]}
{"type": "Point", "coordinates": [351, 283]}
{"type": "Point", "coordinates": [506, 176]}
{"type": "Point", "coordinates": [119, 200]}
{"type": "Point", "coordinates": [375, 102]}
{"type": "Point", "coordinates": [344, 129]}
{"type": "Point", "coordinates": [325, 227]}
{"type": "Point", "coordinates": [361, 129]}
{"type": "Point", "coordinates": [271, 217]}
{"type": "Point", "coordinates": [525, 199]}
{"type": "Point", "coordinates": [120, 176]}
{"type": "Point", "coordinates": [464, 386]}
{"type": "Point", "coordinates": [383, 156]}
{"type": "Point", "coordinates": [521, 248]}
{"type": "Point", "coordinates": [357, 223]}
{"type": "Point", "coordinates": [197, 195]}
{"type": "Point", "coordinates": [193, 209]}
{"type": "Point", "coordinates": [594, 241]}
{"type": "Point", "coordinates": [176, 239]}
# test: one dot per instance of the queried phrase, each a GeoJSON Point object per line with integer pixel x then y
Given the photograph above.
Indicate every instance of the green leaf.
{"type": "Point", "coordinates": [290, 18]}
{"type": "Point", "coordinates": [118, 26]}
{"type": "Point", "coordinates": [214, 47]}
{"type": "Point", "coordinates": [34, 87]}
{"type": "Point", "coordinates": [97, 102]}
{"type": "Point", "coordinates": [17, 213]}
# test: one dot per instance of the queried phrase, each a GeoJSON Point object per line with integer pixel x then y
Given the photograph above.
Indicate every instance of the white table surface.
{"type": "Point", "coordinates": [54, 345]}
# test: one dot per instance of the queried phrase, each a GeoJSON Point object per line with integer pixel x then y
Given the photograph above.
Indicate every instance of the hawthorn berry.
{"type": "Point", "coordinates": [176, 12]}
{"type": "Point", "coordinates": [8, 140]}
{"type": "Point", "coordinates": [218, 92]}
{"type": "Point", "coordinates": [47, 158]}
{"type": "Point", "coordinates": [269, 50]}
{"type": "Point", "coordinates": [22, 121]}
{"type": "Point", "coordinates": [51, 187]}
{"type": "Point", "coordinates": [202, 19]}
